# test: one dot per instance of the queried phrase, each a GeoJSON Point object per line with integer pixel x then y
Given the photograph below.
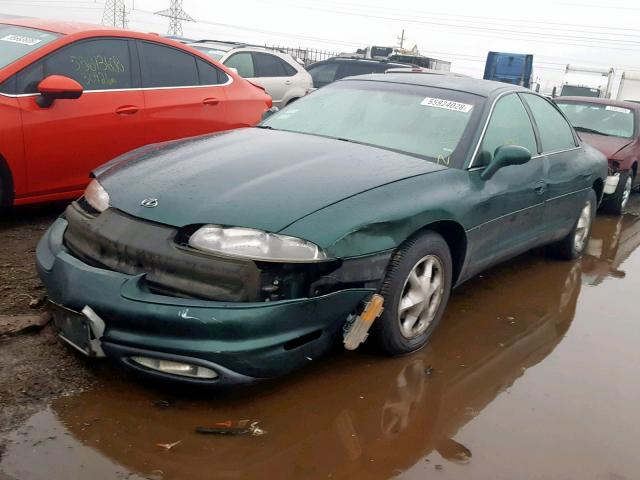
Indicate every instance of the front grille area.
{"type": "Point", "coordinates": [116, 241]}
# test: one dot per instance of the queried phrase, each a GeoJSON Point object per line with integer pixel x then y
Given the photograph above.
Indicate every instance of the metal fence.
{"type": "Point", "coordinates": [305, 55]}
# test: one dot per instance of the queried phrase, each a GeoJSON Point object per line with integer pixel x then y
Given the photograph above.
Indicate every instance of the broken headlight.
{"type": "Point", "coordinates": [255, 244]}
{"type": "Point", "coordinates": [97, 196]}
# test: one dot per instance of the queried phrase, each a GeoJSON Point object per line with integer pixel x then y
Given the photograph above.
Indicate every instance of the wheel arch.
{"type": "Point", "coordinates": [598, 187]}
{"type": "Point", "coordinates": [6, 199]}
{"type": "Point", "coordinates": [456, 238]}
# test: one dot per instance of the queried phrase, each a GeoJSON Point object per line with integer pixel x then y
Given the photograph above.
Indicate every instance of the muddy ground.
{"type": "Point", "coordinates": [533, 374]}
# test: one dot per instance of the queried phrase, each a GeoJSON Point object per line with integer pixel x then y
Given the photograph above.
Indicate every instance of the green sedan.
{"type": "Point", "coordinates": [353, 212]}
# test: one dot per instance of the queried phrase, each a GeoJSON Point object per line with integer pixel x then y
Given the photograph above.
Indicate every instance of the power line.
{"type": "Point", "coordinates": [176, 15]}
{"type": "Point", "coordinates": [479, 30]}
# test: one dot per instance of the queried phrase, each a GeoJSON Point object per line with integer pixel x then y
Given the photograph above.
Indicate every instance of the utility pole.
{"type": "Point", "coordinates": [115, 14]}
{"type": "Point", "coordinates": [176, 16]}
{"type": "Point", "coordinates": [401, 38]}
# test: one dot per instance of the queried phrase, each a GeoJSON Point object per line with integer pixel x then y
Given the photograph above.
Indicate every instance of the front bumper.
{"type": "Point", "coordinates": [611, 184]}
{"type": "Point", "coordinates": [241, 341]}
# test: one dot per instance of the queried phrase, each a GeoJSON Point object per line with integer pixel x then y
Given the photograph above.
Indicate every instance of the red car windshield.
{"type": "Point", "coordinates": [601, 119]}
{"type": "Point", "coordinates": [16, 42]}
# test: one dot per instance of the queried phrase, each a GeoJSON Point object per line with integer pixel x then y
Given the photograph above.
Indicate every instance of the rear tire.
{"type": "Point", "coordinates": [416, 290]}
{"type": "Point", "coordinates": [575, 243]}
{"type": "Point", "coordinates": [617, 201]}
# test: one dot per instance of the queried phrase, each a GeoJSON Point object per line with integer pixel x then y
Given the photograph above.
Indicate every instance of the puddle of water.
{"type": "Point", "coordinates": [532, 374]}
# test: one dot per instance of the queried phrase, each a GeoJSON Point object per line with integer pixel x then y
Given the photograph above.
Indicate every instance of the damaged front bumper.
{"type": "Point", "coordinates": [240, 341]}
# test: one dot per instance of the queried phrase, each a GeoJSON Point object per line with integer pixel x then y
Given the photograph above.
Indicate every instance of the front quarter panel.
{"type": "Point", "coordinates": [382, 218]}
{"type": "Point", "coordinates": [11, 143]}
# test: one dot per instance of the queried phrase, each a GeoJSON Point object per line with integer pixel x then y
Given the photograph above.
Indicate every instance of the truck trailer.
{"type": "Point", "coordinates": [514, 68]}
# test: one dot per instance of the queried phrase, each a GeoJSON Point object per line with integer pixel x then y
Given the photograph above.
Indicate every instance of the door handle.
{"type": "Point", "coordinates": [127, 110]}
{"type": "Point", "coordinates": [540, 188]}
{"type": "Point", "coordinates": [287, 82]}
{"type": "Point", "coordinates": [211, 101]}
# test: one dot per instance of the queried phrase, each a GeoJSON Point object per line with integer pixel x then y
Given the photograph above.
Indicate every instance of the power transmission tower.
{"type": "Point", "coordinates": [115, 14]}
{"type": "Point", "coordinates": [176, 16]}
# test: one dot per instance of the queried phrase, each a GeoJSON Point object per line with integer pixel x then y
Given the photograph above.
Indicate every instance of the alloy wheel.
{"type": "Point", "coordinates": [582, 228]}
{"type": "Point", "coordinates": [421, 296]}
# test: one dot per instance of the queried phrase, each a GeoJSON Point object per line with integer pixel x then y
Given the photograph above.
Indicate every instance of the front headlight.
{"type": "Point", "coordinates": [255, 244]}
{"type": "Point", "coordinates": [96, 196]}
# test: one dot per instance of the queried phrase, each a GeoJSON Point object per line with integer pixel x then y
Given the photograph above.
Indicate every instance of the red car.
{"type": "Point", "coordinates": [73, 96]}
{"type": "Point", "coordinates": [613, 127]}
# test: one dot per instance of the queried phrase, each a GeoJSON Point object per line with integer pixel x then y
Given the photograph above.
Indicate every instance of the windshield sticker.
{"type": "Point", "coordinates": [617, 109]}
{"type": "Point", "coordinates": [21, 39]}
{"type": "Point", "coordinates": [446, 104]}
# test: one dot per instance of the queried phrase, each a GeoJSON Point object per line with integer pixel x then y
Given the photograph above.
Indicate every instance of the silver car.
{"type": "Point", "coordinates": [278, 73]}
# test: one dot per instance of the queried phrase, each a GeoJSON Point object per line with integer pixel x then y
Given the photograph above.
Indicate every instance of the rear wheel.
{"type": "Point", "coordinates": [416, 291]}
{"type": "Point", "coordinates": [617, 201]}
{"type": "Point", "coordinates": [575, 243]}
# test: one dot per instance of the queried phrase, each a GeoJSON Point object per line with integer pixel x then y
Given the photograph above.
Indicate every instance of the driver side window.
{"type": "Point", "coordinates": [509, 125]}
{"type": "Point", "coordinates": [100, 64]}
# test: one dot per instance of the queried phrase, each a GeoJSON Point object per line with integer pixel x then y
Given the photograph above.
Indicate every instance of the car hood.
{"type": "Point", "coordinates": [257, 178]}
{"type": "Point", "coordinates": [609, 146]}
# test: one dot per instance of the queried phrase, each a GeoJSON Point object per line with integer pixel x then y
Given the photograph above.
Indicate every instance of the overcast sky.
{"type": "Point", "coordinates": [595, 32]}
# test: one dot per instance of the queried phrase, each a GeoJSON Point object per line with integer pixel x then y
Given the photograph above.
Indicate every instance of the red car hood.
{"type": "Point", "coordinates": [607, 145]}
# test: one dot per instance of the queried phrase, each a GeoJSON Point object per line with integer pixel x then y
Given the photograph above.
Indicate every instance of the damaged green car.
{"type": "Point", "coordinates": [243, 255]}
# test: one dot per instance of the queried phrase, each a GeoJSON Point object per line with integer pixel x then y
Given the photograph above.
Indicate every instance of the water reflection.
{"type": "Point", "coordinates": [613, 239]}
{"type": "Point", "coordinates": [353, 415]}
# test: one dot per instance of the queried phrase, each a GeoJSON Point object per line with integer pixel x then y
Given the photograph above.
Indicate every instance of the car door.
{"type": "Point", "coordinates": [323, 73]}
{"type": "Point", "coordinates": [509, 207]}
{"type": "Point", "coordinates": [183, 95]}
{"type": "Point", "coordinates": [65, 141]}
{"type": "Point", "coordinates": [567, 178]}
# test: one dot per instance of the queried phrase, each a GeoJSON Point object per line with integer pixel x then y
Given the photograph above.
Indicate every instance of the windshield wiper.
{"type": "Point", "coordinates": [591, 130]}
{"type": "Point", "coordinates": [266, 127]}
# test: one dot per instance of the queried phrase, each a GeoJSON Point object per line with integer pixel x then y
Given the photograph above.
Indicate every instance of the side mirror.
{"type": "Point", "coordinates": [57, 87]}
{"type": "Point", "coordinates": [504, 156]}
{"type": "Point", "coordinates": [269, 112]}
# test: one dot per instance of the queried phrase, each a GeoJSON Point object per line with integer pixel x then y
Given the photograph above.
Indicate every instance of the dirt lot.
{"type": "Point", "coordinates": [36, 367]}
{"type": "Point", "coordinates": [531, 350]}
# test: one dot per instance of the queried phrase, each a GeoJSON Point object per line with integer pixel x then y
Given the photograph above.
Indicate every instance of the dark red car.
{"type": "Point", "coordinates": [73, 96]}
{"type": "Point", "coordinates": [611, 126]}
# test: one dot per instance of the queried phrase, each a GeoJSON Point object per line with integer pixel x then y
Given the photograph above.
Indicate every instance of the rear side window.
{"type": "Point", "coordinates": [354, 68]}
{"type": "Point", "coordinates": [101, 64]}
{"type": "Point", "coordinates": [509, 125]}
{"type": "Point", "coordinates": [323, 73]}
{"type": "Point", "coordinates": [164, 66]}
{"type": "Point", "coordinates": [555, 131]}
{"type": "Point", "coordinates": [210, 75]}
{"type": "Point", "coordinates": [268, 65]}
{"type": "Point", "coordinates": [243, 63]}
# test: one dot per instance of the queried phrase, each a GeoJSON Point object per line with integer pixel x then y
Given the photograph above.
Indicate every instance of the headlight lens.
{"type": "Point", "coordinates": [255, 244]}
{"type": "Point", "coordinates": [96, 196]}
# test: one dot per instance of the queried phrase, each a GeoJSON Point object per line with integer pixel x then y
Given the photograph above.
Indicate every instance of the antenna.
{"type": "Point", "coordinates": [176, 15]}
{"type": "Point", "coordinates": [115, 14]}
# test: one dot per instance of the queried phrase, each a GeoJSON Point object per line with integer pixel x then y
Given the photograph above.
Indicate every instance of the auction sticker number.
{"type": "Point", "coordinates": [447, 104]}
{"type": "Point", "coordinates": [21, 39]}
{"type": "Point", "coordinates": [617, 109]}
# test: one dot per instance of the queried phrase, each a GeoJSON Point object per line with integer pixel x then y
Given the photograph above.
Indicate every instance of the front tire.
{"type": "Point", "coordinates": [575, 243]}
{"type": "Point", "coordinates": [416, 290]}
{"type": "Point", "coordinates": [617, 201]}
